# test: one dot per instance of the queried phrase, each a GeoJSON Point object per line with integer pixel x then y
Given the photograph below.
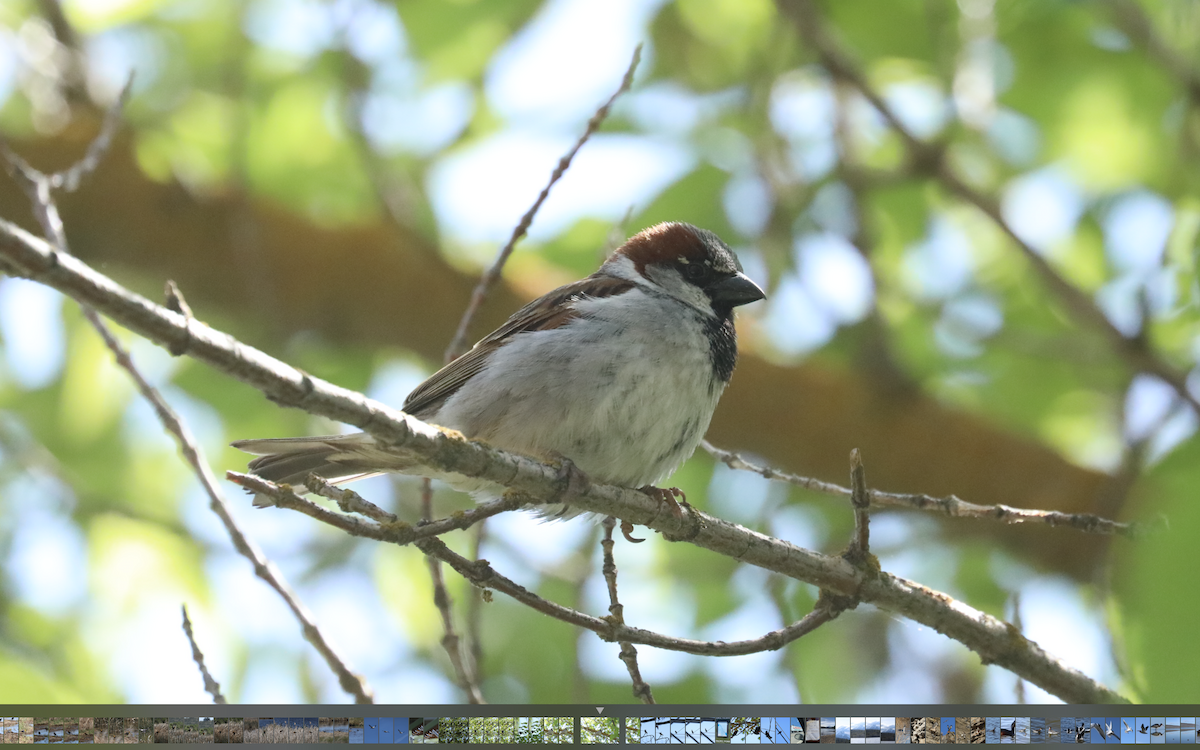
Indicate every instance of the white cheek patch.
{"type": "Point", "coordinates": [671, 282]}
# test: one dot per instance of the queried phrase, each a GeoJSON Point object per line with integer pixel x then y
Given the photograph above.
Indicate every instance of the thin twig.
{"type": "Point", "coordinates": [1017, 622]}
{"type": "Point", "coordinates": [475, 610]}
{"type": "Point", "coordinates": [348, 500]}
{"type": "Point", "coordinates": [451, 643]}
{"type": "Point", "coordinates": [927, 158]}
{"type": "Point", "coordinates": [40, 188]}
{"type": "Point", "coordinates": [616, 612]}
{"type": "Point", "coordinates": [948, 506]}
{"type": "Point", "coordinates": [70, 178]}
{"type": "Point", "coordinates": [176, 303]}
{"type": "Point", "coordinates": [352, 502]}
{"type": "Point", "coordinates": [860, 498]}
{"type": "Point", "coordinates": [458, 343]}
{"type": "Point", "coordinates": [776, 587]}
{"type": "Point", "coordinates": [482, 574]}
{"type": "Point", "coordinates": [387, 528]}
{"type": "Point", "coordinates": [352, 683]}
{"type": "Point", "coordinates": [211, 685]}
{"type": "Point", "coordinates": [450, 640]}
{"type": "Point", "coordinates": [440, 451]}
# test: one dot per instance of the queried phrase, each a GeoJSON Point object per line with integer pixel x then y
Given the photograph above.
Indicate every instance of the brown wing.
{"type": "Point", "coordinates": [550, 311]}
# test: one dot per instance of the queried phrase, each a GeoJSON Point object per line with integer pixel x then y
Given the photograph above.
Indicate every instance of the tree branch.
{"type": "Point", "coordinates": [616, 612]}
{"type": "Point", "coordinates": [948, 506]}
{"type": "Point", "coordinates": [483, 575]}
{"type": "Point", "coordinates": [387, 527]}
{"type": "Point", "coordinates": [443, 451]}
{"type": "Point", "coordinates": [860, 500]}
{"type": "Point", "coordinates": [451, 643]}
{"type": "Point", "coordinates": [211, 685]}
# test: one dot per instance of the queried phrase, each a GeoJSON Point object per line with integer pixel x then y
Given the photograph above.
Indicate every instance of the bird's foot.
{"type": "Point", "coordinates": [667, 495]}
{"type": "Point", "coordinates": [571, 479]}
{"type": "Point", "coordinates": [663, 495]}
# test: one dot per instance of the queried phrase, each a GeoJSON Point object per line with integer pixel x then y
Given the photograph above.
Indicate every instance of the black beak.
{"type": "Point", "coordinates": [735, 290]}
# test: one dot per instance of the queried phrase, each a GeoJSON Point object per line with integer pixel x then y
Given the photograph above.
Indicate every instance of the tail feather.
{"type": "Point", "coordinates": [345, 458]}
{"type": "Point", "coordinates": [336, 458]}
{"type": "Point", "coordinates": [272, 446]}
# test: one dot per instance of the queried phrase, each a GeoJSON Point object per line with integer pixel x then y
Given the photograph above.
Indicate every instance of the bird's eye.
{"type": "Point", "coordinates": [694, 271]}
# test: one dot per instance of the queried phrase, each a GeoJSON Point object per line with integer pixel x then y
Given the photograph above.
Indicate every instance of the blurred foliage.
{"type": "Point", "coordinates": [1059, 96]}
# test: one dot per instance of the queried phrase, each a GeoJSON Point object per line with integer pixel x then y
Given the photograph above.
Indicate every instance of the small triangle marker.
{"type": "Point", "coordinates": [599, 709]}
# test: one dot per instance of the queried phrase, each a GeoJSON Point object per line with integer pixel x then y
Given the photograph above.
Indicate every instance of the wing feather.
{"type": "Point", "coordinates": [550, 311]}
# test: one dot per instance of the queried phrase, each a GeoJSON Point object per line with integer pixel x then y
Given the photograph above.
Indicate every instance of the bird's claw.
{"type": "Point", "coordinates": [667, 495]}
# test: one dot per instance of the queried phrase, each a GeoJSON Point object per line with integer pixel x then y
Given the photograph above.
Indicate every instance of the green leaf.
{"type": "Point", "coordinates": [1156, 584]}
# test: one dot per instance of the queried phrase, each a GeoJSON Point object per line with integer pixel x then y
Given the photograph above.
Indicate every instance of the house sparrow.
{"type": "Point", "coordinates": [616, 375]}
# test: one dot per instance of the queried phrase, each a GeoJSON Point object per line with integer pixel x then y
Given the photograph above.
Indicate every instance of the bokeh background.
{"type": "Point", "coordinates": [326, 180]}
